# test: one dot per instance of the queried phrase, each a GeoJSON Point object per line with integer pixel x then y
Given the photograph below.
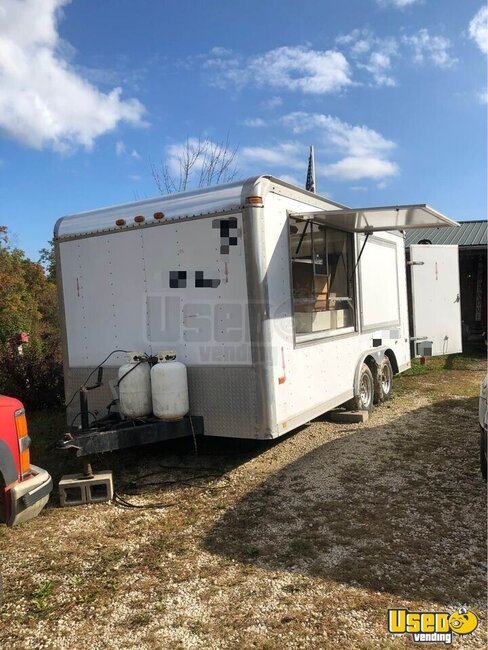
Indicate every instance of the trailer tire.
{"type": "Point", "coordinates": [384, 385]}
{"type": "Point", "coordinates": [364, 400]}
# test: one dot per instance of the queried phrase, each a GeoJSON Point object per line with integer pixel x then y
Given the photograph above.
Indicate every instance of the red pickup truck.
{"type": "Point", "coordinates": [24, 488]}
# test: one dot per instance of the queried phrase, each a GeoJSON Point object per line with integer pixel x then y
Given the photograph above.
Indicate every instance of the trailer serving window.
{"type": "Point", "coordinates": [321, 266]}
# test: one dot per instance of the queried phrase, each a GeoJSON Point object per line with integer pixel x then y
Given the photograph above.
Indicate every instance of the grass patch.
{"type": "Point", "coordinates": [41, 596]}
{"type": "Point", "coordinates": [417, 369]}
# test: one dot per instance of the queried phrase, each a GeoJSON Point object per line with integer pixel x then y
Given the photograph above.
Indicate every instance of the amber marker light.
{"type": "Point", "coordinates": [254, 200]}
{"type": "Point", "coordinates": [24, 441]}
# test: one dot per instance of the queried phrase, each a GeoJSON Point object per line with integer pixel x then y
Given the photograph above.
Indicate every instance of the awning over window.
{"type": "Point", "coordinates": [398, 217]}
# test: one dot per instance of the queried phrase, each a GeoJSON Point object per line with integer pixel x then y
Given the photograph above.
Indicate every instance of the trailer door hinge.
{"type": "Point", "coordinates": [415, 263]}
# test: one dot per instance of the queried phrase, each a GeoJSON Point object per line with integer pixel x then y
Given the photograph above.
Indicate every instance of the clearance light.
{"type": "Point", "coordinates": [158, 215]}
{"type": "Point", "coordinates": [120, 222]}
{"type": "Point", "coordinates": [139, 219]}
{"type": "Point", "coordinates": [254, 200]}
{"type": "Point", "coordinates": [24, 441]}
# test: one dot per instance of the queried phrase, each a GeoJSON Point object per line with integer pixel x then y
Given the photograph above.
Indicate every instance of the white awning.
{"type": "Point", "coordinates": [393, 217]}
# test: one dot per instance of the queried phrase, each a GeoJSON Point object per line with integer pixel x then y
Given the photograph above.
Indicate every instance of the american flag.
{"type": "Point", "coordinates": [310, 184]}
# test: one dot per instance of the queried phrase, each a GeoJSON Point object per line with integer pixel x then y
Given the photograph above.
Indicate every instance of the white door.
{"type": "Point", "coordinates": [436, 299]}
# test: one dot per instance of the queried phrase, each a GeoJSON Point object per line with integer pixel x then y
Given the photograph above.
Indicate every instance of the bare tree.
{"type": "Point", "coordinates": [201, 163]}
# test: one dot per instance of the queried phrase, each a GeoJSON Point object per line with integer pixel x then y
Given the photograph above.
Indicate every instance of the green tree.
{"type": "Point", "coordinates": [48, 260]}
{"type": "Point", "coordinates": [28, 303]}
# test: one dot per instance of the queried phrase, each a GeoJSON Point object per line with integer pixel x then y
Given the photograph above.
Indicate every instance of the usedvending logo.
{"type": "Point", "coordinates": [432, 627]}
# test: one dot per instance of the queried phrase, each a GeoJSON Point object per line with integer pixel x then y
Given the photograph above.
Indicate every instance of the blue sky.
{"type": "Point", "coordinates": [392, 94]}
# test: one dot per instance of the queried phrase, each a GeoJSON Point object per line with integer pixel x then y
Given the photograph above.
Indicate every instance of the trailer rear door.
{"type": "Point", "coordinates": [436, 303]}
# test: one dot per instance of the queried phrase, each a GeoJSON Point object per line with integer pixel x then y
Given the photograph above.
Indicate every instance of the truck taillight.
{"type": "Point", "coordinates": [24, 441]}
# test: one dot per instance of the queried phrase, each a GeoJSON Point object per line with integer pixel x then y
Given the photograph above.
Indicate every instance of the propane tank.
{"type": "Point", "coordinates": [169, 385]}
{"type": "Point", "coordinates": [135, 387]}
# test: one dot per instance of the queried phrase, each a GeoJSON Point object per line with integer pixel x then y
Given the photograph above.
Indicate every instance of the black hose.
{"type": "Point", "coordinates": [91, 374]}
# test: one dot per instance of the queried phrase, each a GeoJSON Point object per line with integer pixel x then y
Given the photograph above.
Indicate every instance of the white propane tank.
{"type": "Point", "coordinates": [135, 387]}
{"type": "Point", "coordinates": [169, 386]}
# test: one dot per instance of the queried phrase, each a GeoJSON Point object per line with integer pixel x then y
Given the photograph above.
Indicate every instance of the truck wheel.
{"type": "Point", "coordinates": [384, 384]}
{"type": "Point", "coordinates": [364, 400]}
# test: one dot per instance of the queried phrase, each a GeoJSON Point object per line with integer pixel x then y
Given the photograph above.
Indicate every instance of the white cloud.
{"type": "Point", "coordinates": [478, 29]}
{"type": "Point", "coordinates": [287, 155]}
{"type": "Point", "coordinates": [44, 102]}
{"type": "Point", "coordinates": [360, 47]}
{"type": "Point", "coordinates": [365, 151]}
{"type": "Point", "coordinates": [430, 48]}
{"type": "Point", "coordinates": [356, 167]}
{"type": "Point", "coordinates": [296, 68]}
{"type": "Point", "coordinates": [255, 122]}
{"type": "Point", "coordinates": [371, 53]}
{"type": "Point", "coordinates": [220, 51]}
{"type": "Point", "coordinates": [378, 64]}
{"type": "Point", "coordinates": [274, 102]}
{"type": "Point", "coordinates": [400, 4]}
{"type": "Point", "coordinates": [483, 96]}
{"type": "Point", "coordinates": [119, 148]}
{"type": "Point", "coordinates": [356, 140]}
{"type": "Point", "coordinates": [377, 55]}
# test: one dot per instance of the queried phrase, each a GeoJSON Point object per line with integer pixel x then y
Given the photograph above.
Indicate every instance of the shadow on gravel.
{"type": "Point", "coordinates": [398, 508]}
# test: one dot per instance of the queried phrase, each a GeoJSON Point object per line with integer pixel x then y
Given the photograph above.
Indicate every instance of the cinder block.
{"type": "Point", "coordinates": [348, 417]}
{"type": "Point", "coordinates": [76, 489]}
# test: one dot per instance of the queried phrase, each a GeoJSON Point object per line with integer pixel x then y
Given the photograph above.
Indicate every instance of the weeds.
{"type": "Point", "coordinates": [42, 595]}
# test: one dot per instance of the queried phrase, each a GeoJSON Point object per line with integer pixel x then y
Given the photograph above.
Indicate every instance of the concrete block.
{"type": "Point", "coordinates": [348, 417]}
{"type": "Point", "coordinates": [76, 489]}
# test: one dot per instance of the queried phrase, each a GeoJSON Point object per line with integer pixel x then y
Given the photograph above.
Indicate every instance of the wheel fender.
{"type": "Point", "coordinates": [377, 354]}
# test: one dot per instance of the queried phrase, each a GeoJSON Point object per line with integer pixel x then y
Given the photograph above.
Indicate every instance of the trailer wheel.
{"type": "Point", "coordinates": [364, 400]}
{"type": "Point", "coordinates": [384, 384]}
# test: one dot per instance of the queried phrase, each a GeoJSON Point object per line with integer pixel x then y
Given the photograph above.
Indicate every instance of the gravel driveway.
{"type": "Point", "coordinates": [300, 544]}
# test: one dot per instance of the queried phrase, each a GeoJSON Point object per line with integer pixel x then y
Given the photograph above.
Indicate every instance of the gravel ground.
{"type": "Point", "coordinates": [300, 544]}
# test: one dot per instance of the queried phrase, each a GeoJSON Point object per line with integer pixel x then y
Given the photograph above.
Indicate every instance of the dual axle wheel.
{"type": "Point", "coordinates": [371, 391]}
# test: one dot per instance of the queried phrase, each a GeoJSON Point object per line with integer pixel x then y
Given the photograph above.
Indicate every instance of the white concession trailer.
{"type": "Point", "coordinates": [282, 304]}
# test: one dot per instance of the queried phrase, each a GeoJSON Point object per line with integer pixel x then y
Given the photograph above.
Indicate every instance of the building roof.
{"type": "Point", "coordinates": [469, 233]}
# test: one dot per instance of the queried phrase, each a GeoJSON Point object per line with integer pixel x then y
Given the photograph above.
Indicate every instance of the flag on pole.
{"type": "Point", "coordinates": [310, 184]}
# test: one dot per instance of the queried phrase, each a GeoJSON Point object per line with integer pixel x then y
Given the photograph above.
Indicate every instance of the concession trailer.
{"type": "Point", "coordinates": [281, 304]}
